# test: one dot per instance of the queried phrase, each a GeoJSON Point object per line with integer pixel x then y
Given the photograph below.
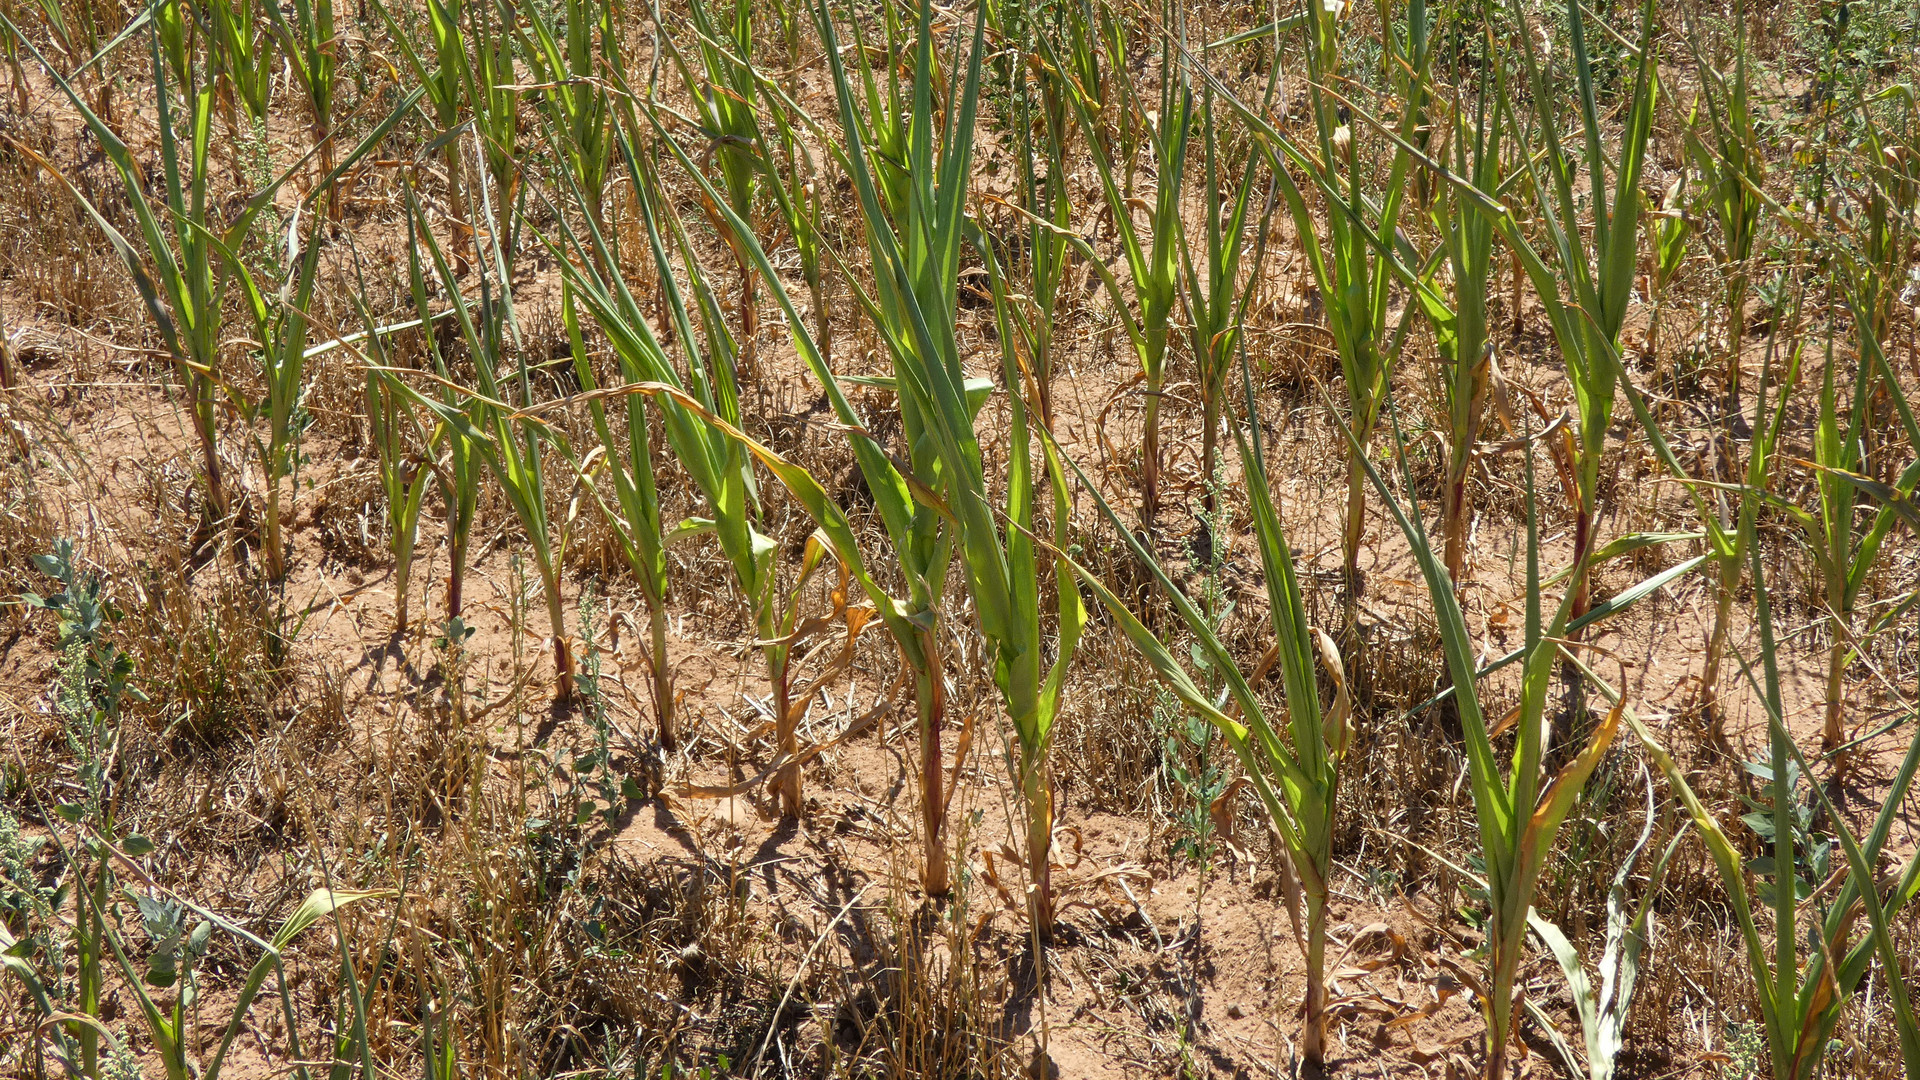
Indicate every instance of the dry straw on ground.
{"type": "Point", "coordinates": [573, 538]}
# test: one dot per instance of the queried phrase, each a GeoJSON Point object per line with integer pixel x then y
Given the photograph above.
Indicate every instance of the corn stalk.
{"type": "Point", "coordinates": [1731, 161]}
{"type": "Point", "coordinates": [184, 291]}
{"type": "Point", "coordinates": [1217, 301]}
{"type": "Point", "coordinates": [493, 99]}
{"type": "Point", "coordinates": [1603, 1011]}
{"type": "Point", "coordinates": [501, 434]}
{"type": "Point", "coordinates": [1520, 808]}
{"type": "Point", "coordinates": [629, 463]}
{"type": "Point", "coordinates": [1801, 996]}
{"type": "Point", "coordinates": [1592, 279]}
{"type": "Point", "coordinates": [566, 47]}
{"type": "Point", "coordinates": [1153, 254]}
{"type": "Point", "coordinates": [404, 470]}
{"type": "Point", "coordinates": [1002, 564]}
{"type": "Point", "coordinates": [1461, 328]}
{"type": "Point", "coordinates": [1047, 199]}
{"type": "Point", "coordinates": [1291, 754]}
{"type": "Point", "coordinates": [243, 51]}
{"type": "Point", "coordinates": [446, 75]}
{"type": "Point", "coordinates": [1347, 269]}
{"type": "Point", "coordinates": [723, 90]}
{"type": "Point", "coordinates": [283, 345]}
{"type": "Point", "coordinates": [719, 465]}
{"type": "Point", "coordinates": [1730, 534]}
{"type": "Point", "coordinates": [915, 233]}
{"type": "Point", "coordinates": [458, 475]}
{"type": "Point", "coordinates": [1585, 279]}
{"type": "Point", "coordinates": [311, 49]}
{"type": "Point", "coordinates": [921, 529]}
{"type": "Point", "coordinates": [1844, 554]}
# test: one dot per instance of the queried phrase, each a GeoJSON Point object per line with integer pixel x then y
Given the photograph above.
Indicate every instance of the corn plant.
{"type": "Point", "coordinates": [719, 468]}
{"type": "Point", "coordinates": [566, 45]}
{"type": "Point", "coordinates": [308, 42]}
{"type": "Point", "coordinates": [1727, 154]}
{"type": "Point", "coordinates": [1292, 754]}
{"type": "Point", "coordinates": [282, 336]}
{"type": "Point", "coordinates": [1602, 1012]}
{"type": "Point", "coordinates": [917, 531]}
{"type": "Point", "coordinates": [446, 76]}
{"type": "Point", "coordinates": [1473, 142]}
{"type": "Point", "coordinates": [1217, 302]}
{"type": "Point", "coordinates": [1844, 553]}
{"type": "Point", "coordinates": [1862, 264]}
{"type": "Point", "coordinates": [800, 198]}
{"type": "Point", "coordinates": [733, 492]}
{"type": "Point", "coordinates": [403, 481]}
{"type": "Point", "coordinates": [404, 470]}
{"type": "Point", "coordinates": [730, 95]}
{"type": "Point", "coordinates": [492, 422]}
{"type": "Point", "coordinates": [1153, 258]}
{"type": "Point", "coordinates": [1729, 531]}
{"type": "Point", "coordinates": [1047, 199]}
{"type": "Point", "coordinates": [244, 51]}
{"type": "Point", "coordinates": [1585, 279]}
{"type": "Point", "coordinates": [1802, 993]}
{"type": "Point", "coordinates": [630, 465]}
{"type": "Point", "coordinates": [1001, 562]}
{"type": "Point", "coordinates": [1356, 255]}
{"type": "Point", "coordinates": [1732, 531]}
{"type": "Point", "coordinates": [723, 90]}
{"type": "Point", "coordinates": [493, 98]}
{"type": "Point", "coordinates": [458, 475]}
{"type": "Point", "coordinates": [1592, 279]}
{"type": "Point", "coordinates": [1519, 809]}
{"type": "Point", "coordinates": [283, 345]}
{"type": "Point", "coordinates": [1032, 700]}
{"type": "Point", "coordinates": [719, 465]}
{"type": "Point", "coordinates": [185, 289]}
{"type": "Point", "coordinates": [1885, 219]}
{"type": "Point", "coordinates": [1352, 278]}
{"type": "Point", "coordinates": [915, 252]}
{"type": "Point", "coordinates": [915, 305]}
{"type": "Point", "coordinates": [1362, 249]}
{"type": "Point", "coordinates": [175, 236]}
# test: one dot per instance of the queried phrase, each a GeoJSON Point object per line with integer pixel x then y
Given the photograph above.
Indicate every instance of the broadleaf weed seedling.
{"type": "Point", "coordinates": [451, 647]}
{"type": "Point", "coordinates": [104, 674]}
{"type": "Point", "coordinates": [1190, 741]}
{"type": "Point", "coordinates": [1187, 742]}
{"type": "Point", "coordinates": [592, 773]}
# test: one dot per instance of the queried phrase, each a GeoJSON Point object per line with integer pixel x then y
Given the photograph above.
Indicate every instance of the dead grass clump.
{"type": "Point", "coordinates": [216, 657]}
{"type": "Point", "coordinates": [48, 244]}
{"type": "Point", "coordinates": [665, 961]}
